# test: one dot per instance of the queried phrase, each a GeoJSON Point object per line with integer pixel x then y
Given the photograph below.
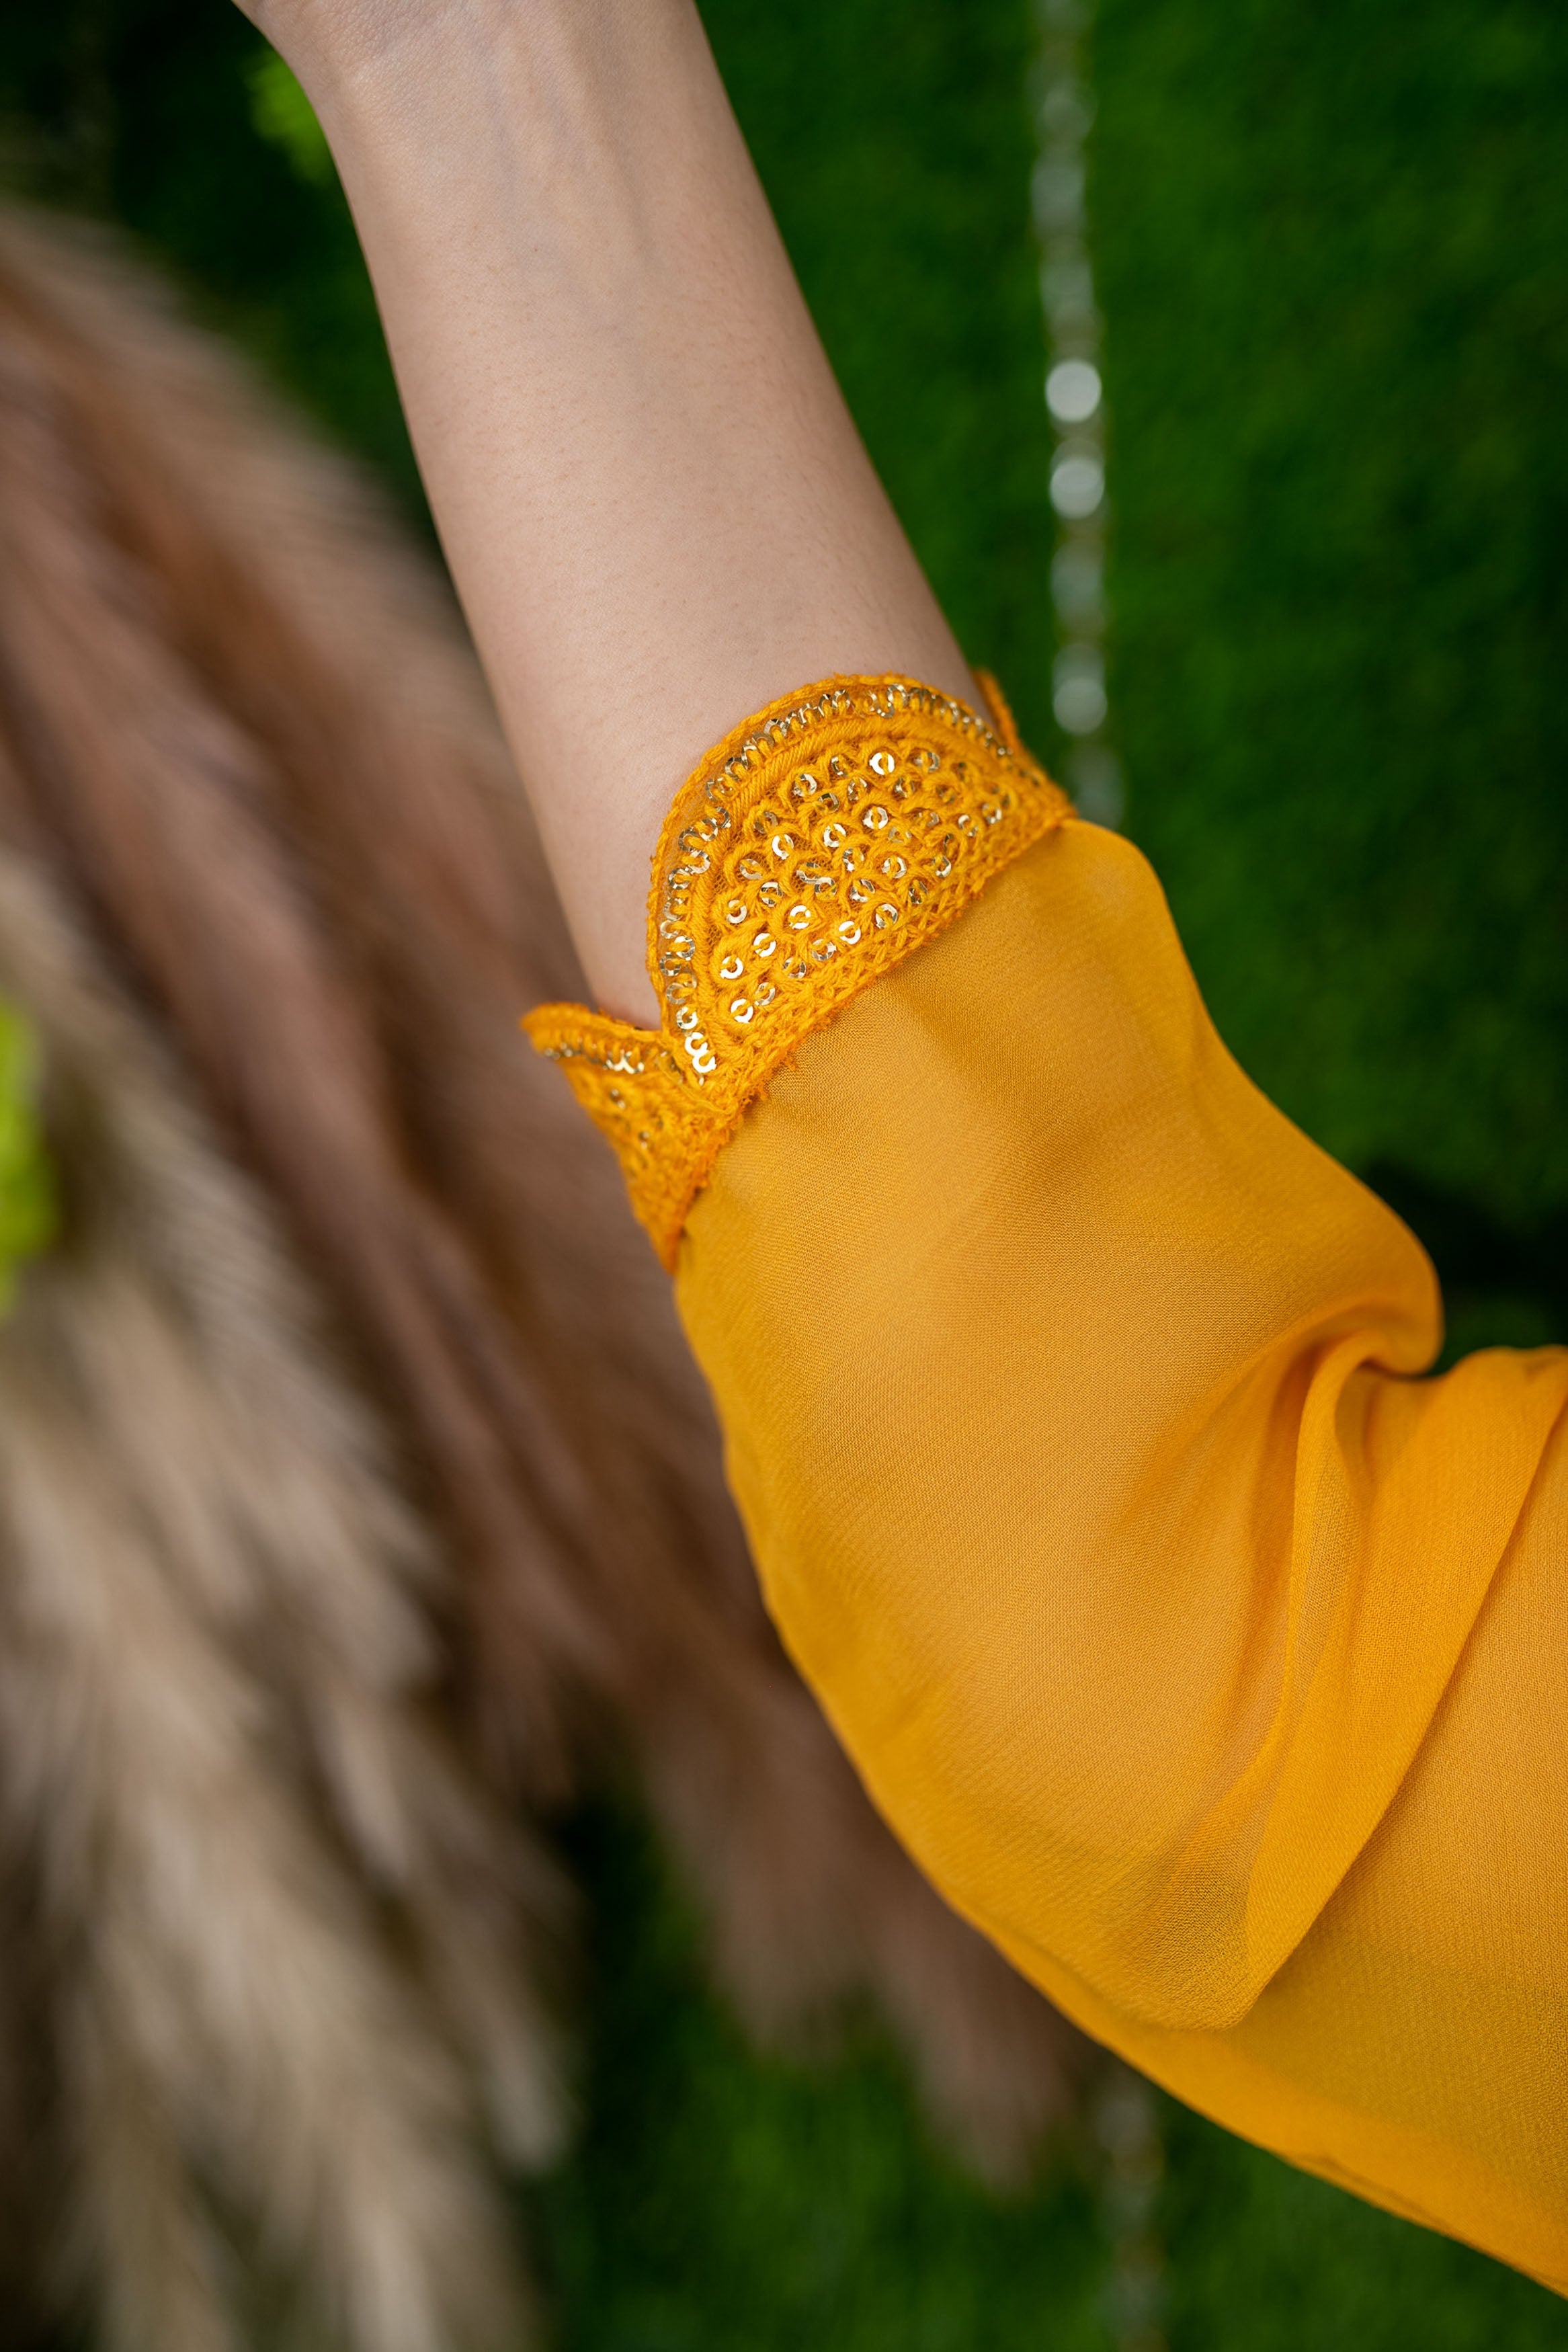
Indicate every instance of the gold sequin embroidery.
{"type": "Point", "coordinates": [812, 850]}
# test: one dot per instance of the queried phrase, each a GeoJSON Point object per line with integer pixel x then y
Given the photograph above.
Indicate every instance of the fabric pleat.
{"type": "Point", "coordinates": [1204, 1652]}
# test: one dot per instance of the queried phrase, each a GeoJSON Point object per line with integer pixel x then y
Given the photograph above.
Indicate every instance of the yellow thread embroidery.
{"type": "Point", "coordinates": [813, 849]}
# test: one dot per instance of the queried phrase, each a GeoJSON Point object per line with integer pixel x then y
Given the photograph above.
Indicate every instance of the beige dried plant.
{"type": "Point", "coordinates": [287, 1946]}
{"type": "Point", "coordinates": [245, 745]}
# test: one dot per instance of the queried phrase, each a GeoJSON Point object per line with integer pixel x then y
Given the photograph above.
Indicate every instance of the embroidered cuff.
{"type": "Point", "coordinates": [817, 846]}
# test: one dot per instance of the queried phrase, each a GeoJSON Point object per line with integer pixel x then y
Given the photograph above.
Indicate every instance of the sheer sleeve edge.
{"type": "Point", "coordinates": [813, 849]}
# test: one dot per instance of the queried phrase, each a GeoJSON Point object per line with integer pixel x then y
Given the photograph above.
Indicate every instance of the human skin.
{"type": "Point", "coordinates": [655, 506]}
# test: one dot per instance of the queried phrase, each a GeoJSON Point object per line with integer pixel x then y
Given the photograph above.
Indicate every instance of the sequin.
{"type": "Point", "coordinates": [965, 803]}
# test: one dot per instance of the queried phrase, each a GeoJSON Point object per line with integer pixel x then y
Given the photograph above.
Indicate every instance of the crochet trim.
{"type": "Point", "coordinates": [813, 849]}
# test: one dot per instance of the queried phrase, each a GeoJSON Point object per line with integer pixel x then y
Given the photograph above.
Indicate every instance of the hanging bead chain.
{"type": "Point", "coordinates": [1074, 397]}
{"type": "Point", "coordinates": [1126, 2124]}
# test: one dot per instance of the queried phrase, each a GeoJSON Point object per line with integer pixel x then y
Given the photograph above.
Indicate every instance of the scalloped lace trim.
{"type": "Point", "coordinates": [817, 846]}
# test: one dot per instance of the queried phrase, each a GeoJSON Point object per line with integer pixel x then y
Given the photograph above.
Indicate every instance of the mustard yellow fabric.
{"type": "Point", "coordinates": [816, 847]}
{"type": "Point", "coordinates": [1208, 1658]}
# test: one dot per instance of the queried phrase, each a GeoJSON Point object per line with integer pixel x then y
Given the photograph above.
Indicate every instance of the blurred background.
{"type": "Point", "coordinates": [1330, 256]}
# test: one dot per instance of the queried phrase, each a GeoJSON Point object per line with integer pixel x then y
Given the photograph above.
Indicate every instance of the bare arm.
{"type": "Point", "coordinates": [657, 510]}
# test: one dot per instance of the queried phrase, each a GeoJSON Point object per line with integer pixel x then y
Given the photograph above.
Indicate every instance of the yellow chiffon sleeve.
{"type": "Point", "coordinates": [1205, 1656]}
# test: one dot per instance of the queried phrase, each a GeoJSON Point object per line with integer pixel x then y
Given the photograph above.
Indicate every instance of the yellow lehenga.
{"type": "Point", "coordinates": [1205, 1656]}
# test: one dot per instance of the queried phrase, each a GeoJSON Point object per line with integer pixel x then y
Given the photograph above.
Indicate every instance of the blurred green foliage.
{"type": "Point", "coordinates": [26, 1195]}
{"type": "Point", "coordinates": [1265, 2259]}
{"type": "Point", "coordinates": [282, 113]}
{"type": "Point", "coordinates": [1333, 248]}
{"type": "Point", "coordinates": [168, 117]}
{"type": "Point", "coordinates": [721, 2199]}
{"type": "Point", "coordinates": [1332, 253]}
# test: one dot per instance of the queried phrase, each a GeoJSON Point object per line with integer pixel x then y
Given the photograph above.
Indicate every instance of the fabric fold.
{"type": "Point", "coordinates": [1198, 1647]}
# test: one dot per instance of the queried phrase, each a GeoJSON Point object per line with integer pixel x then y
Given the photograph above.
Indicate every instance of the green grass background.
{"type": "Point", "coordinates": [1331, 247]}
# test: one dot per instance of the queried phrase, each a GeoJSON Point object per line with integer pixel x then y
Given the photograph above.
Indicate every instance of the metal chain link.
{"type": "Point", "coordinates": [1075, 400]}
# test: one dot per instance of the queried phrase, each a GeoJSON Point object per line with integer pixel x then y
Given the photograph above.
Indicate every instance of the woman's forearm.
{"type": "Point", "coordinates": [657, 507]}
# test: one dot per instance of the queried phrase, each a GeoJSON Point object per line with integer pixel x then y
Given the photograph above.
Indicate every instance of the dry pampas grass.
{"type": "Point", "coordinates": [287, 1939]}
{"type": "Point", "coordinates": [243, 747]}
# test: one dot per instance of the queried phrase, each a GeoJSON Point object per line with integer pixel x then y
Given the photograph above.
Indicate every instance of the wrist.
{"type": "Point", "coordinates": [358, 58]}
{"type": "Point", "coordinates": [375, 61]}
